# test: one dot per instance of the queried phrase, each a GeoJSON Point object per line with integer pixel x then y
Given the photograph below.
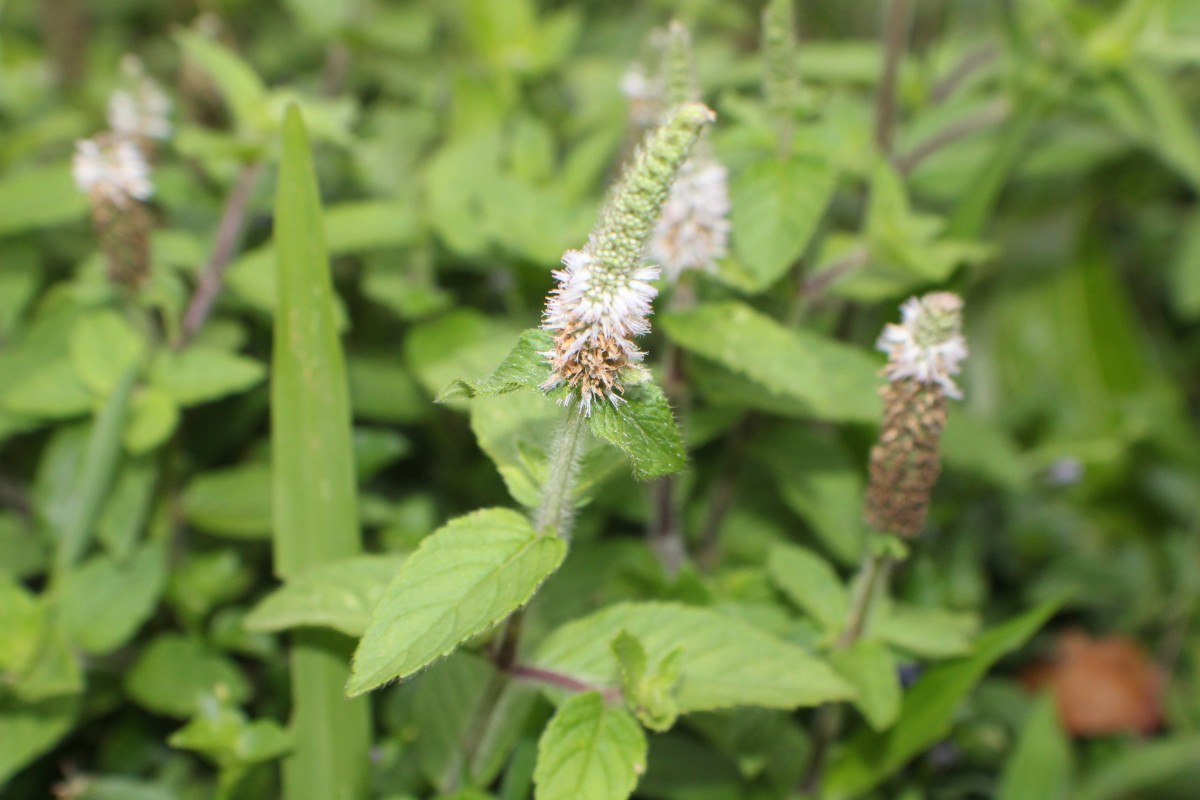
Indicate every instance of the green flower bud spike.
{"type": "Point", "coordinates": [603, 297]}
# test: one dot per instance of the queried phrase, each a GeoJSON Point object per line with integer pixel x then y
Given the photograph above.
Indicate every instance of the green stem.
{"type": "Point", "coordinates": [555, 515]}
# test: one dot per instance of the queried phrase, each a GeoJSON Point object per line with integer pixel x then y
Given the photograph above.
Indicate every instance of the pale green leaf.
{"type": "Point", "coordinates": [461, 342]}
{"type": "Point", "coordinates": [153, 416]}
{"type": "Point", "coordinates": [105, 601]}
{"type": "Point", "coordinates": [589, 751]}
{"type": "Point", "coordinates": [174, 673]}
{"type": "Point", "coordinates": [927, 632]}
{"type": "Point", "coordinates": [201, 374]}
{"type": "Point", "coordinates": [103, 347]}
{"type": "Point", "coordinates": [462, 580]}
{"type": "Point", "coordinates": [725, 662]}
{"type": "Point", "coordinates": [39, 197]}
{"type": "Point", "coordinates": [871, 670]}
{"type": "Point", "coordinates": [339, 595]}
{"type": "Point", "coordinates": [52, 391]}
{"type": "Point", "coordinates": [831, 380]}
{"type": "Point", "coordinates": [811, 583]}
{"type": "Point", "coordinates": [776, 206]}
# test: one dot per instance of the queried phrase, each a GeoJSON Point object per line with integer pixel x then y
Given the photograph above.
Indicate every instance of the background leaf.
{"type": "Point", "coordinates": [589, 752]}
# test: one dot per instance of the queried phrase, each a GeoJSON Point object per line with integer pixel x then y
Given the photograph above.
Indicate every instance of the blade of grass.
{"type": "Point", "coordinates": [314, 487]}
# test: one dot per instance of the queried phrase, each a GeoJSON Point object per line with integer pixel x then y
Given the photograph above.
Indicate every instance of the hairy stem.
{"type": "Point", "coordinates": [555, 515]}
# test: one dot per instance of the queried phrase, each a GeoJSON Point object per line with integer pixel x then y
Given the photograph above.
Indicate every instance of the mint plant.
{"type": "Point", "coordinates": [487, 400]}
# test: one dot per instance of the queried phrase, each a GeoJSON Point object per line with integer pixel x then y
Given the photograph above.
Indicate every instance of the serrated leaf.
{"type": "Point", "coordinates": [201, 374]}
{"type": "Point", "coordinates": [524, 368]}
{"type": "Point", "coordinates": [871, 670]}
{"type": "Point", "coordinates": [724, 662]}
{"type": "Point", "coordinates": [833, 381]}
{"type": "Point", "coordinates": [644, 429]}
{"type": "Point", "coordinates": [927, 710]}
{"type": "Point", "coordinates": [776, 206]}
{"type": "Point", "coordinates": [463, 579]}
{"type": "Point", "coordinates": [589, 752]}
{"type": "Point", "coordinates": [105, 601]}
{"type": "Point", "coordinates": [339, 595]}
{"type": "Point", "coordinates": [811, 583]}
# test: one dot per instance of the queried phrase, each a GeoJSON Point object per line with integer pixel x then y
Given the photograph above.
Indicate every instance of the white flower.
{"type": "Point", "coordinates": [594, 312]}
{"type": "Point", "coordinates": [928, 345]}
{"type": "Point", "coordinates": [141, 108]}
{"type": "Point", "coordinates": [111, 169]}
{"type": "Point", "coordinates": [693, 231]}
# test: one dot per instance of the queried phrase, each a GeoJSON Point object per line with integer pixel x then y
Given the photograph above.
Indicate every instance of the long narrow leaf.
{"type": "Point", "coordinates": [314, 489]}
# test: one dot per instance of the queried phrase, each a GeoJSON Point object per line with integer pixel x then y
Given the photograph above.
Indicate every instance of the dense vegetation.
{"type": "Point", "coordinates": [331, 466]}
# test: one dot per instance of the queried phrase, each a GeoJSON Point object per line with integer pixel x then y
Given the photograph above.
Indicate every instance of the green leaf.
{"type": "Point", "coordinates": [927, 710]}
{"type": "Point", "coordinates": [589, 752]}
{"type": "Point", "coordinates": [40, 197]}
{"type": "Point", "coordinates": [643, 428]}
{"type": "Point", "coordinates": [221, 732]}
{"type": "Point", "coordinates": [232, 502]}
{"type": "Point", "coordinates": [1041, 764]}
{"type": "Point", "coordinates": [128, 504]}
{"type": "Point", "coordinates": [382, 390]}
{"type": "Point", "coordinates": [811, 583]}
{"type": "Point", "coordinates": [1184, 272]}
{"type": "Point", "coordinates": [820, 483]}
{"type": "Point", "coordinates": [833, 381]}
{"type": "Point", "coordinates": [175, 673]}
{"type": "Point", "coordinates": [105, 601]}
{"type": "Point", "coordinates": [52, 391]}
{"type": "Point", "coordinates": [927, 632]}
{"type": "Point", "coordinates": [461, 342]}
{"type": "Point", "coordinates": [22, 626]}
{"type": "Point", "coordinates": [871, 670]}
{"type": "Point", "coordinates": [776, 206]}
{"type": "Point", "coordinates": [314, 482]}
{"type": "Point", "coordinates": [103, 347]}
{"type": "Point", "coordinates": [524, 368]}
{"type": "Point", "coordinates": [29, 729]}
{"type": "Point", "coordinates": [236, 80]}
{"type": "Point", "coordinates": [725, 662]}
{"type": "Point", "coordinates": [339, 595]}
{"type": "Point", "coordinates": [463, 579]}
{"type": "Point", "coordinates": [202, 374]}
{"type": "Point", "coordinates": [651, 692]}
{"type": "Point", "coordinates": [153, 417]}
{"type": "Point", "coordinates": [349, 228]}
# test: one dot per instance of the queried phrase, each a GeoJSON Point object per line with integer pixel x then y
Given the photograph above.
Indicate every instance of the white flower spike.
{"type": "Point", "coordinates": [140, 109]}
{"type": "Point", "coordinates": [694, 229]}
{"type": "Point", "coordinates": [111, 170]}
{"type": "Point", "coordinates": [928, 345]}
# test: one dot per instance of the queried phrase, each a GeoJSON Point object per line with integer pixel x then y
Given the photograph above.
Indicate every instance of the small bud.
{"type": "Point", "coordinates": [923, 352]}
{"type": "Point", "coordinates": [603, 296]}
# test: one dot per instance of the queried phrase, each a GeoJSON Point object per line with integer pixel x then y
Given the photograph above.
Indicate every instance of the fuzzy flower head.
{"type": "Point", "coordinates": [140, 109]}
{"type": "Point", "coordinates": [603, 296]}
{"type": "Point", "coordinates": [928, 345]}
{"type": "Point", "coordinates": [694, 229]}
{"type": "Point", "coordinates": [112, 170]}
